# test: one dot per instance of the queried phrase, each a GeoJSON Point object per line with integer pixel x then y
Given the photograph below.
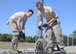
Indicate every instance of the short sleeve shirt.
{"type": "Point", "coordinates": [19, 15]}
{"type": "Point", "coordinates": [46, 13]}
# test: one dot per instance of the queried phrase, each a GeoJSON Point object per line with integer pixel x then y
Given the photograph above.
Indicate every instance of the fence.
{"type": "Point", "coordinates": [69, 41]}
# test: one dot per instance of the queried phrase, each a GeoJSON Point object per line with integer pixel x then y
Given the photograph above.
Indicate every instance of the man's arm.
{"type": "Point", "coordinates": [23, 26]}
{"type": "Point", "coordinates": [40, 20]}
{"type": "Point", "coordinates": [53, 15]}
{"type": "Point", "coordinates": [18, 24]}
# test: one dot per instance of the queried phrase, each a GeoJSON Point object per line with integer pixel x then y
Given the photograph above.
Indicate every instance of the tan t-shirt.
{"type": "Point", "coordinates": [18, 15]}
{"type": "Point", "coordinates": [46, 13]}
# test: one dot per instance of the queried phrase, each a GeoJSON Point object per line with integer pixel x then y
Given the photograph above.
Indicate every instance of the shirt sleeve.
{"type": "Point", "coordinates": [50, 9]}
{"type": "Point", "coordinates": [39, 14]}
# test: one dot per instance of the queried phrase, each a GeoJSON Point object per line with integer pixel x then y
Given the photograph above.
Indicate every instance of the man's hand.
{"type": "Point", "coordinates": [40, 27]}
{"type": "Point", "coordinates": [22, 35]}
{"type": "Point", "coordinates": [45, 25]}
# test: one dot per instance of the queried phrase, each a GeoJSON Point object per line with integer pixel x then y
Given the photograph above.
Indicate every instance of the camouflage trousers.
{"type": "Point", "coordinates": [14, 43]}
{"type": "Point", "coordinates": [15, 40]}
{"type": "Point", "coordinates": [53, 35]}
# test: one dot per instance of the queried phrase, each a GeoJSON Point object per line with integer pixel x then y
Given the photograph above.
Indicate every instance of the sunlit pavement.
{"type": "Point", "coordinates": [69, 50]}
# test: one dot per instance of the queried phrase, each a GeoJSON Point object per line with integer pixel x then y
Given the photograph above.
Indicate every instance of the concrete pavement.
{"type": "Point", "coordinates": [69, 50]}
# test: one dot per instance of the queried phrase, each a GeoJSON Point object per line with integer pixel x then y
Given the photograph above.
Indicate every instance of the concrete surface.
{"type": "Point", "coordinates": [69, 50]}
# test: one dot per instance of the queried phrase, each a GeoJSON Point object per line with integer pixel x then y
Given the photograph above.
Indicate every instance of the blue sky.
{"type": "Point", "coordinates": [65, 9]}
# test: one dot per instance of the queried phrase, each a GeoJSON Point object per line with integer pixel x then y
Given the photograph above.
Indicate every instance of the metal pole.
{"type": "Point", "coordinates": [40, 31]}
{"type": "Point", "coordinates": [42, 1]}
{"type": "Point", "coordinates": [72, 40]}
{"type": "Point", "coordinates": [67, 41]}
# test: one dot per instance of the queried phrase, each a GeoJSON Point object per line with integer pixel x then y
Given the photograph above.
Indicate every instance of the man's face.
{"type": "Point", "coordinates": [30, 14]}
{"type": "Point", "coordinates": [40, 7]}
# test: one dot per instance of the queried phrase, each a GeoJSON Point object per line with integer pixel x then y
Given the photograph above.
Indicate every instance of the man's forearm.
{"type": "Point", "coordinates": [53, 16]}
{"type": "Point", "coordinates": [40, 23]}
{"type": "Point", "coordinates": [19, 28]}
{"type": "Point", "coordinates": [23, 26]}
{"type": "Point", "coordinates": [18, 24]}
{"type": "Point", "coordinates": [51, 21]}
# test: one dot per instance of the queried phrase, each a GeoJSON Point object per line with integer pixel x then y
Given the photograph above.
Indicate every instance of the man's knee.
{"type": "Point", "coordinates": [15, 38]}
